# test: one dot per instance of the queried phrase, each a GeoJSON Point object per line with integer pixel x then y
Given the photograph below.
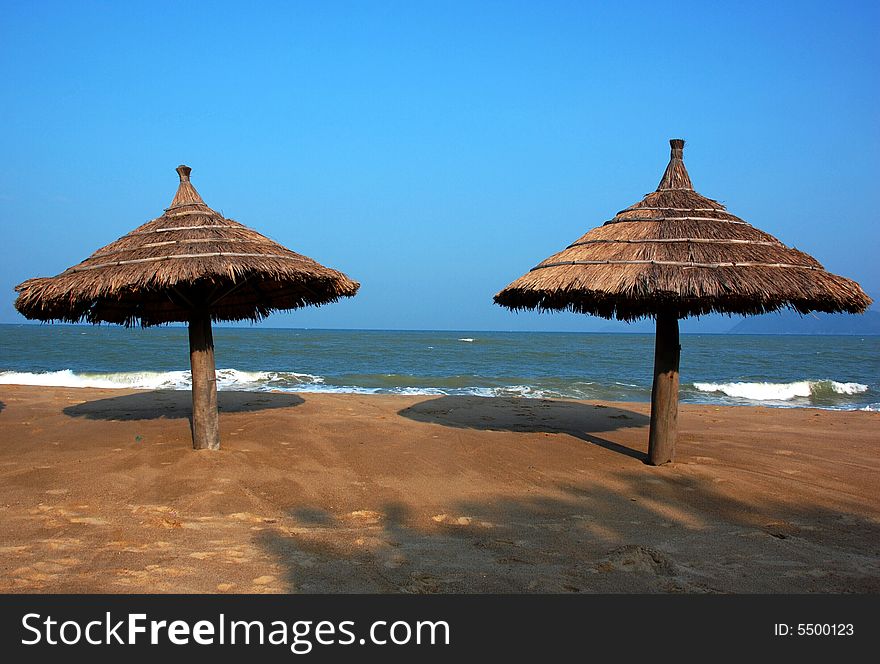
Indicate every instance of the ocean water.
{"type": "Point", "coordinates": [840, 372]}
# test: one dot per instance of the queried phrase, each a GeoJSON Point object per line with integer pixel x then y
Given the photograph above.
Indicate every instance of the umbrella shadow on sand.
{"type": "Point", "coordinates": [580, 420]}
{"type": "Point", "coordinates": [175, 404]}
{"type": "Point", "coordinates": [2, 406]}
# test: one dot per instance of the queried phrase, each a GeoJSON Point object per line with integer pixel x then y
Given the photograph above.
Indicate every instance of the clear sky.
{"type": "Point", "coordinates": [434, 151]}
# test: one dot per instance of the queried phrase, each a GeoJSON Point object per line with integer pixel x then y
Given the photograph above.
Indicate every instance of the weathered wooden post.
{"type": "Point", "coordinates": [205, 416]}
{"type": "Point", "coordinates": [664, 393]}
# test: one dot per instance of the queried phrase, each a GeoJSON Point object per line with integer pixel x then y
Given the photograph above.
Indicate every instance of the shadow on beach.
{"type": "Point", "coordinates": [530, 416]}
{"type": "Point", "coordinates": [176, 404]}
{"type": "Point", "coordinates": [2, 406]}
{"type": "Point", "coordinates": [644, 535]}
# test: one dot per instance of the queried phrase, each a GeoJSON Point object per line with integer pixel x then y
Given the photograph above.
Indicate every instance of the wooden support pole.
{"type": "Point", "coordinates": [664, 394]}
{"type": "Point", "coordinates": [205, 416]}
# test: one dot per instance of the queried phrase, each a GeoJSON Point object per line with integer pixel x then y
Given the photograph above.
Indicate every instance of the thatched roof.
{"type": "Point", "coordinates": [678, 250]}
{"type": "Point", "coordinates": [189, 258]}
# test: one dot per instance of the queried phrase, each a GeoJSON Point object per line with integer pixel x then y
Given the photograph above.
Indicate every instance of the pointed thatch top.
{"type": "Point", "coordinates": [676, 175]}
{"type": "Point", "coordinates": [189, 259]}
{"type": "Point", "coordinates": [186, 193]}
{"type": "Point", "coordinates": [680, 251]}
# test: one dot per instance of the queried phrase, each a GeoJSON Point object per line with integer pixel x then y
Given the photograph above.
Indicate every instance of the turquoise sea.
{"type": "Point", "coordinates": [841, 372]}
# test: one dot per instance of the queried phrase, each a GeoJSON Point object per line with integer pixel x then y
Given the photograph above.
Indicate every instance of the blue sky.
{"type": "Point", "coordinates": [434, 151]}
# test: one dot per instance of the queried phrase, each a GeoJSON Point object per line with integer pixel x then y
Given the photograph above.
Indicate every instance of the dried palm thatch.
{"type": "Point", "coordinates": [672, 255]}
{"type": "Point", "coordinates": [190, 265]}
{"type": "Point", "coordinates": [191, 257]}
{"type": "Point", "coordinates": [680, 251]}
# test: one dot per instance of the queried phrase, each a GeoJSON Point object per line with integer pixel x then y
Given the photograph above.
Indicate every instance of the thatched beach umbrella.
{"type": "Point", "coordinates": [190, 265]}
{"type": "Point", "coordinates": [672, 255]}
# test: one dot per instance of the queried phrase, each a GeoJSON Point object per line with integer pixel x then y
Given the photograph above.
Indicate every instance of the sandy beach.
{"type": "Point", "coordinates": [100, 492]}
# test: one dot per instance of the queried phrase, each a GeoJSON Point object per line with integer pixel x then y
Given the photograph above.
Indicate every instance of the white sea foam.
{"type": "Point", "coordinates": [467, 339]}
{"type": "Point", "coordinates": [525, 391]}
{"type": "Point", "coordinates": [67, 378]}
{"type": "Point", "coordinates": [781, 391]}
{"type": "Point", "coordinates": [848, 388]}
{"type": "Point", "coordinates": [227, 379]}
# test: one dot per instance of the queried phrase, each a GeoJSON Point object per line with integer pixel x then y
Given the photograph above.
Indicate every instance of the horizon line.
{"type": "Point", "coordinates": [180, 325]}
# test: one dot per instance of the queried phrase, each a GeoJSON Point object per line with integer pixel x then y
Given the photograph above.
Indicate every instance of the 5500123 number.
{"type": "Point", "coordinates": [814, 629]}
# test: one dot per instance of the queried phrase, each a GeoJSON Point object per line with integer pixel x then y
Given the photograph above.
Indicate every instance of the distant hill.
{"type": "Point", "coordinates": [790, 322]}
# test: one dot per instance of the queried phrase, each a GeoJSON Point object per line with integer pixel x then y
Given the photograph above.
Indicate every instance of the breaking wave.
{"type": "Point", "coordinates": [227, 379]}
{"type": "Point", "coordinates": [774, 392]}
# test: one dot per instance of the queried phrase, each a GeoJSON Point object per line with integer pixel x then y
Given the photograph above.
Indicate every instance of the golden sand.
{"type": "Point", "coordinates": [100, 492]}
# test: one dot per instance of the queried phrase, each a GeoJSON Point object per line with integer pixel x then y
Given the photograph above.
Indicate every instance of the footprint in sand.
{"type": "Point", "coordinates": [89, 520]}
{"type": "Point", "coordinates": [263, 580]}
{"type": "Point", "coordinates": [364, 516]}
{"type": "Point", "coordinates": [246, 517]}
{"type": "Point", "coordinates": [61, 543]}
{"type": "Point", "coordinates": [160, 516]}
{"type": "Point", "coordinates": [449, 520]}
{"type": "Point", "coordinates": [638, 559]}
{"type": "Point", "coordinates": [55, 510]}
{"type": "Point", "coordinates": [204, 555]}
{"type": "Point", "coordinates": [422, 584]}
{"type": "Point", "coordinates": [396, 560]}
{"type": "Point", "coordinates": [169, 571]}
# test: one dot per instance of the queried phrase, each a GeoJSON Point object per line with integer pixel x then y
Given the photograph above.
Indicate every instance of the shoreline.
{"type": "Point", "coordinates": [487, 392]}
{"type": "Point", "coordinates": [316, 492]}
